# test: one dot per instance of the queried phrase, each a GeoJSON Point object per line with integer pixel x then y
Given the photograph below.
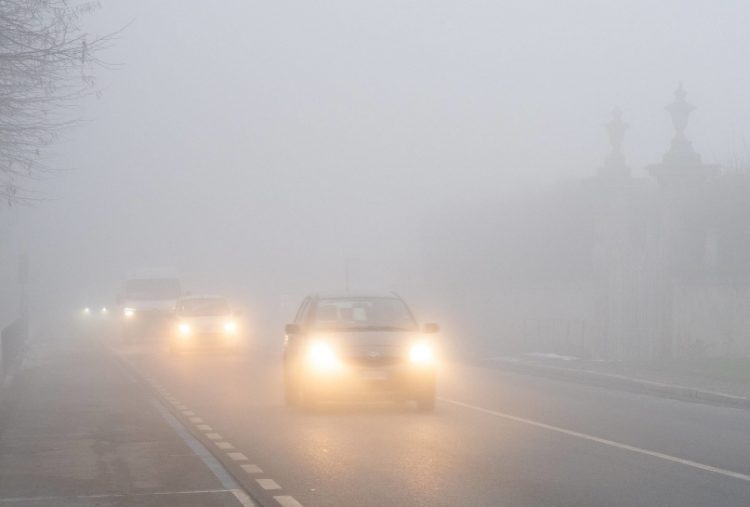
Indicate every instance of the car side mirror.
{"type": "Point", "coordinates": [292, 329]}
{"type": "Point", "coordinates": [430, 328]}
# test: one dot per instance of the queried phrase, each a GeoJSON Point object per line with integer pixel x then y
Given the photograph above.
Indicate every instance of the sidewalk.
{"type": "Point", "coordinates": [721, 381]}
{"type": "Point", "coordinates": [77, 430]}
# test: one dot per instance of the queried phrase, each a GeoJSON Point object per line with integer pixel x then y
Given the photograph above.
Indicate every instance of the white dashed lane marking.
{"type": "Point", "coordinates": [268, 484]}
{"type": "Point", "coordinates": [287, 501]}
{"type": "Point", "coordinates": [265, 483]}
{"type": "Point", "coordinates": [208, 459]}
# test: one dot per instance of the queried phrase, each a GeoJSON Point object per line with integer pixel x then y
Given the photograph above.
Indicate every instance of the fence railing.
{"type": "Point", "coordinates": [12, 344]}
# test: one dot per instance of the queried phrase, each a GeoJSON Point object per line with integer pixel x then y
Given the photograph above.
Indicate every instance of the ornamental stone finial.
{"type": "Point", "coordinates": [614, 168]}
{"type": "Point", "coordinates": [616, 129]}
{"type": "Point", "coordinates": [680, 111]}
{"type": "Point", "coordinates": [680, 165]}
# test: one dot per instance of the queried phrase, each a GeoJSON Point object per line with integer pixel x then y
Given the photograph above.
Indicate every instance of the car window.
{"type": "Point", "coordinates": [152, 288]}
{"type": "Point", "coordinates": [370, 313]}
{"type": "Point", "coordinates": [204, 307]}
{"type": "Point", "coordinates": [300, 317]}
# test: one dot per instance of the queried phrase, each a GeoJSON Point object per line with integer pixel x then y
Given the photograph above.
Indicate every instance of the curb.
{"type": "Point", "coordinates": [259, 496]}
{"type": "Point", "coordinates": [621, 382]}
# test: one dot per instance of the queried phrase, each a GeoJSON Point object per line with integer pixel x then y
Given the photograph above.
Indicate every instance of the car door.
{"type": "Point", "coordinates": [293, 343]}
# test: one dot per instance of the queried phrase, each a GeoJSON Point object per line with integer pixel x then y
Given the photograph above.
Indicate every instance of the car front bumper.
{"type": "Point", "coordinates": [205, 341]}
{"type": "Point", "coordinates": [353, 380]}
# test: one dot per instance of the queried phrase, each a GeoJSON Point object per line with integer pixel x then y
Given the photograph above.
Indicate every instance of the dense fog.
{"type": "Point", "coordinates": [444, 150]}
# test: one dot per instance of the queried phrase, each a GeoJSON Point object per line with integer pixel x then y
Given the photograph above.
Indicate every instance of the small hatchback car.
{"type": "Point", "coordinates": [204, 323]}
{"type": "Point", "coordinates": [345, 344]}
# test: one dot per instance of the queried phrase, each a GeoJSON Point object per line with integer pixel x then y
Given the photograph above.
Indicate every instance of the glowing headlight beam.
{"type": "Point", "coordinates": [230, 327]}
{"type": "Point", "coordinates": [128, 312]}
{"type": "Point", "coordinates": [421, 353]}
{"type": "Point", "coordinates": [184, 329]}
{"type": "Point", "coordinates": [322, 356]}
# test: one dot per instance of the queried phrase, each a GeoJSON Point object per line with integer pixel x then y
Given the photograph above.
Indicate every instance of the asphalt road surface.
{"type": "Point", "coordinates": [495, 439]}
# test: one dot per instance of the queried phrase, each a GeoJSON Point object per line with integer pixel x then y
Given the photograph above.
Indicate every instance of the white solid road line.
{"type": "Point", "coordinates": [95, 496]}
{"type": "Point", "coordinates": [603, 441]}
{"type": "Point", "coordinates": [287, 501]}
{"type": "Point", "coordinates": [208, 459]}
{"type": "Point", "coordinates": [268, 483]}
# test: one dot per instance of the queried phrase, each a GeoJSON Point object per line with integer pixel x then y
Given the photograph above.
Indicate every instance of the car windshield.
{"type": "Point", "coordinates": [153, 288]}
{"type": "Point", "coordinates": [204, 307]}
{"type": "Point", "coordinates": [363, 313]}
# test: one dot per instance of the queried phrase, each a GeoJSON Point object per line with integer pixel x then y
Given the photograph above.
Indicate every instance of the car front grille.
{"type": "Point", "coordinates": [373, 361]}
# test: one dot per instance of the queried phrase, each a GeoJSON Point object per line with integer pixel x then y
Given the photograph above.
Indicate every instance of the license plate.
{"type": "Point", "coordinates": [374, 374]}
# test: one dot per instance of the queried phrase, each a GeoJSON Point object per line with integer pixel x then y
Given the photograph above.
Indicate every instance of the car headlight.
{"type": "Point", "coordinates": [104, 310]}
{"type": "Point", "coordinates": [86, 311]}
{"type": "Point", "coordinates": [422, 353]}
{"type": "Point", "coordinates": [322, 356]}
{"type": "Point", "coordinates": [128, 313]}
{"type": "Point", "coordinates": [184, 329]}
{"type": "Point", "coordinates": [230, 327]}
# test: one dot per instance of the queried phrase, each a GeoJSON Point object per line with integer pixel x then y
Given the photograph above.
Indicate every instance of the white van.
{"type": "Point", "coordinates": [148, 301]}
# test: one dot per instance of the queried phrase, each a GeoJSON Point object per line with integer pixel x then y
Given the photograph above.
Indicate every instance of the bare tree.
{"type": "Point", "coordinates": [44, 60]}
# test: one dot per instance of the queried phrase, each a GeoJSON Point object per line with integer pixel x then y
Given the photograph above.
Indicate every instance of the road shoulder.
{"type": "Point", "coordinates": [614, 376]}
{"type": "Point", "coordinates": [80, 430]}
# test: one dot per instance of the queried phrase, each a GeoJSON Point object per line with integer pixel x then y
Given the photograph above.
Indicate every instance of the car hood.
{"type": "Point", "coordinates": [369, 343]}
{"type": "Point", "coordinates": [206, 323]}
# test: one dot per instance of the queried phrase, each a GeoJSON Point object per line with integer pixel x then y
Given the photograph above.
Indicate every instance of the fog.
{"type": "Point", "coordinates": [264, 149]}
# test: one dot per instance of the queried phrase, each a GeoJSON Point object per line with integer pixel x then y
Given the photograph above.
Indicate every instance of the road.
{"type": "Point", "coordinates": [496, 439]}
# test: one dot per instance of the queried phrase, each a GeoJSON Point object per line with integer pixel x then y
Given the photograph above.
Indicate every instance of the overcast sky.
{"type": "Point", "coordinates": [257, 145]}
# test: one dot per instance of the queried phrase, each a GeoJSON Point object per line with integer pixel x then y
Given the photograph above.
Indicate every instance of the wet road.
{"type": "Point", "coordinates": [496, 439]}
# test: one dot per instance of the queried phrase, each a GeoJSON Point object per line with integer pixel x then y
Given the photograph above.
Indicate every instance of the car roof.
{"type": "Point", "coordinates": [355, 295]}
{"type": "Point", "coordinates": [201, 296]}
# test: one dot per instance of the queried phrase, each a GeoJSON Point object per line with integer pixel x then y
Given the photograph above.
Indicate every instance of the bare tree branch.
{"type": "Point", "coordinates": [44, 60]}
